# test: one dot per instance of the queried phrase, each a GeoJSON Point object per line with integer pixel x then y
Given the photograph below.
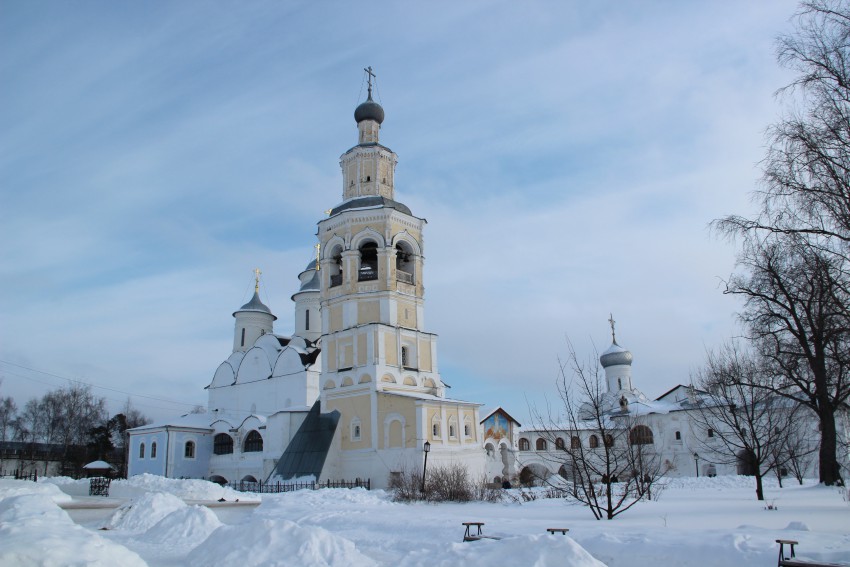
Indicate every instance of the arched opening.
{"type": "Point", "coordinates": [533, 475]}
{"type": "Point", "coordinates": [141, 450]}
{"type": "Point", "coordinates": [405, 357]}
{"type": "Point", "coordinates": [524, 445]}
{"type": "Point", "coordinates": [153, 450]}
{"type": "Point", "coordinates": [409, 381]}
{"type": "Point", "coordinates": [396, 437]}
{"type": "Point", "coordinates": [575, 442]}
{"type": "Point", "coordinates": [307, 320]}
{"type": "Point", "coordinates": [347, 381]}
{"type": "Point", "coordinates": [593, 442]}
{"type": "Point", "coordinates": [218, 479]}
{"type": "Point", "coordinates": [189, 450]}
{"type": "Point", "coordinates": [490, 450]}
{"type": "Point", "coordinates": [222, 444]}
{"type": "Point", "coordinates": [540, 444]}
{"type": "Point", "coordinates": [249, 478]}
{"type": "Point", "coordinates": [368, 262]}
{"type": "Point", "coordinates": [609, 440]}
{"type": "Point", "coordinates": [355, 429]}
{"type": "Point", "coordinates": [640, 435]}
{"type": "Point", "coordinates": [404, 263]}
{"type": "Point", "coordinates": [336, 266]}
{"type": "Point", "coordinates": [253, 443]}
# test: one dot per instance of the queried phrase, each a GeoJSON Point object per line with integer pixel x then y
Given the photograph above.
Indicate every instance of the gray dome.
{"type": "Point", "coordinates": [615, 356]}
{"type": "Point", "coordinates": [369, 110]}
{"type": "Point", "coordinates": [313, 283]}
{"type": "Point", "coordinates": [255, 305]}
{"type": "Point", "coordinates": [310, 266]}
{"type": "Point", "coordinates": [370, 201]}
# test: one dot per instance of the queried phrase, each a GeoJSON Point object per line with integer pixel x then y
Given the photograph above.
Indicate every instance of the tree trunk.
{"type": "Point", "coordinates": [759, 486]}
{"type": "Point", "coordinates": [830, 474]}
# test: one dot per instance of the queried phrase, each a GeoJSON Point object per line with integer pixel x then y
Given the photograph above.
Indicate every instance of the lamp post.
{"type": "Point", "coordinates": [427, 449]}
{"type": "Point", "coordinates": [696, 462]}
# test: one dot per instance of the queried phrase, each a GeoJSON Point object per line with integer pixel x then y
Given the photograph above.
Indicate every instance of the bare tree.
{"type": "Point", "coordinates": [616, 466]}
{"type": "Point", "coordinates": [8, 410]}
{"type": "Point", "coordinates": [747, 422]}
{"type": "Point", "coordinates": [796, 251]}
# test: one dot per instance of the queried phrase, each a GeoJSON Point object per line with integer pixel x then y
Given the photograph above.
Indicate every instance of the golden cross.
{"type": "Point", "coordinates": [257, 273]}
{"type": "Point", "coordinates": [318, 247]}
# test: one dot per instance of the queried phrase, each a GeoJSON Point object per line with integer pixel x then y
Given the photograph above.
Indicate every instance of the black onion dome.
{"type": "Point", "coordinates": [369, 110]}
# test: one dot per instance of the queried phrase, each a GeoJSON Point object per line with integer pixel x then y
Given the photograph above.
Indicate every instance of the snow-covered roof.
{"type": "Point", "coordinates": [98, 465]}
{"type": "Point", "coordinates": [427, 397]}
{"type": "Point", "coordinates": [191, 420]}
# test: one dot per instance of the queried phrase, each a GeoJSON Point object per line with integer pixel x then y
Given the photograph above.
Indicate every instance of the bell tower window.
{"type": "Point", "coordinates": [404, 263]}
{"type": "Point", "coordinates": [368, 262]}
{"type": "Point", "coordinates": [307, 320]}
{"type": "Point", "coordinates": [336, 267]}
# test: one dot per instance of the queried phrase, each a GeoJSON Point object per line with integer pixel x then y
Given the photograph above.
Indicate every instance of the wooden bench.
{"type": "Point", "coordinates": [553, 531]}
{"type": "Point", "coordinates": [792, 561]}
{"type": "Point", "coordinates": [468, 535]}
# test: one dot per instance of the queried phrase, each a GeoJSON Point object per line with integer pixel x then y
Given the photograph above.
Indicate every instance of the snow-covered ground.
{"type": "Point", "coordinates": [159, 522]}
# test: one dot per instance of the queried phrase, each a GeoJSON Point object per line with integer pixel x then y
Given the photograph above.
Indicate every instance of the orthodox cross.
{"type": "Point", "coordinates": [318, 247]}
{"type": "Point", "coordinates": [612, 322]}
{"type": "Point", "coordinates": [370, 76]}
{"type": "Point", "coordinates": [257, 273]}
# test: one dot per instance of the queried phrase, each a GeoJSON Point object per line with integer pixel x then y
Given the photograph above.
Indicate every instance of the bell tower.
{"type": "Point", "coordinates": [371, 264]}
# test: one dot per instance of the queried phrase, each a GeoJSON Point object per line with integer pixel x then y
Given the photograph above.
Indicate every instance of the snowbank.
{"type": "Point", "coordinates": [267, 542]}
{"type": "Point", "coordinates": [136, 486]}
{"type": "Point", "coordinates": [36, 532]}
{"type": "Point", "coordinates": [530, 551]}
{"type": "Point", "coordinates": [9, 488]}
{"type": "Point", "coordinates": [186, 527]}
{"type": "Point", "coordinates": [140, 514]}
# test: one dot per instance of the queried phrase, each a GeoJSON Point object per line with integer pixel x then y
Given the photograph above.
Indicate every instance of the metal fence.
{"type": "Point", "coordinates": [19, 475]}
{"type": "Point", "coordinates": [277, 487]}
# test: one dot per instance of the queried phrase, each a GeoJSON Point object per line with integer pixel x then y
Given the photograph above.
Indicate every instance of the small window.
{"type": "Point", "coordinates": [678, 436]}
{"type": "Point", "coordinates": [541, 444]}
{"type": "Point", "coordinates": [189, 450]}
{"type": "Point", "coordinates": [609, 440]}
{"type": "Point", "coordinates": [466, 429]}
{"type": "Point", "coordinates": [253, 443]}
{"type": "Point", "coordinates": [405, 358]}
{"type": "Point", "coordinates": [307, 320]}
{"type": "Point", "coordinates": [355, 429]}
{"type": "Point", "coordinates": [153, 450]}
{"type": "Point", "coordinates": [452, 430]}
{"type": "Point", "coordinates": [575, 442]}
{"type": "Point", "coordinates": [222, 444]}
{"type": "Point", "coordinates": [141, 450]}
{"type": "Point", "coordinates": [368, 178]}
{"type": "Point", "coordinates": [711, 433]}
{"type": "Point", "coordinates": [524, 445]}
{"type": "Point", "coordinates": [435, 429]}
{"type": "Point", "coordinates": [357, 432]}
{"type": "Point", "coordinates": [243, 337]}
{"type": "Point", "coordinates": [593, 442]}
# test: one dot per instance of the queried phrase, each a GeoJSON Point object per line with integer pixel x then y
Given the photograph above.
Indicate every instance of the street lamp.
{"type": "Point", "coordinates": [427, 449]}
{"type": "Point", "coordinates": [696, 462]}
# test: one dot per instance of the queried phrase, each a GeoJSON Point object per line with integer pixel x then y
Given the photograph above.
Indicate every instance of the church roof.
{"type": "Point", "coordinates": [255, 305]}
{"type": "Point", "coordinates": [615, 355]}
{"type": "Point", "coordinates": [503, 412]}
{"type": "Point", "coordinates": [306, 453]}
{"type": "Point", "coordinates": [369, 202]}
{"type": "Point", "coordinates": [369, 110]}
{"type": "Point", "coordinates": [313, 283]}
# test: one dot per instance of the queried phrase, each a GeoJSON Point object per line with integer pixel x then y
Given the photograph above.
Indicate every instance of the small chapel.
{"type": "Point", "coordinates": [356, 391]}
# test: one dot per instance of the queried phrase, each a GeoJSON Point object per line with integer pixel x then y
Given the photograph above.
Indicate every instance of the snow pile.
{"type": "Point", "coordinates": [186, 527]}
{"type": "Point", "coordinates": [135, 486]}
{"type": "Point", "coordinates": [35, 531]}
{"type": "Point", "coordinates": [264, 542]}
{"type": "Point", "coordinates": [533, 551]}
{"type": "Point", "coordinates": [9, 488]}
{"type": "Point", "coordinates": [142, 513]}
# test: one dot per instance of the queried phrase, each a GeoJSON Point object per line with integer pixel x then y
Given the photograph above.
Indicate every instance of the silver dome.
{"type": "Point", "coordinates": [615, 356]}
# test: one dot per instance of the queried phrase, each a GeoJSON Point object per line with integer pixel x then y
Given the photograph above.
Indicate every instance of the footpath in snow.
{"type": "Point", "coordinates": [163, 522]}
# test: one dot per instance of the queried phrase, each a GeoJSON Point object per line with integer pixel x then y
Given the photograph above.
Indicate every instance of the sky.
{"type": "Point", "coordinates": [568, 156]}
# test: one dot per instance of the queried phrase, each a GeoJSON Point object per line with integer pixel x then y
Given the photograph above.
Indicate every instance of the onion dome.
{"type": "Point", "coordinates": [369, 110]}
{"type": "Point", "coordinates": [255, 305]}
{"type": "Point", "coordinates": [615, 356]}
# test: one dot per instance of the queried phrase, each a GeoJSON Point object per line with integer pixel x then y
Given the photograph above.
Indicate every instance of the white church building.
{"type": "Point", "coordinates": [356, 391]}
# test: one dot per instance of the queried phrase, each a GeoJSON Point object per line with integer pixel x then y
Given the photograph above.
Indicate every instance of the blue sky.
{"type": "Point", "coordinates": [567, 155]}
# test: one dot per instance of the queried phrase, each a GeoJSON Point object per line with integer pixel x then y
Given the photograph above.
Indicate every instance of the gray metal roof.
{"type": "Point", "coordinates": [306, 453]}
{"type": "Point", "coordinates": [369, 110]}
{"type": "Point", "coordinates": [371, 201]}
{"type": "Point", "coordinates": [614, 356]}
{"type": "Point", "coordinates": [255, 305]}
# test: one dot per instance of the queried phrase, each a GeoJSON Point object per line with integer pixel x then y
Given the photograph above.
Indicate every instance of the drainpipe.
{"type": "Point", "coordinates": [167, 450]}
